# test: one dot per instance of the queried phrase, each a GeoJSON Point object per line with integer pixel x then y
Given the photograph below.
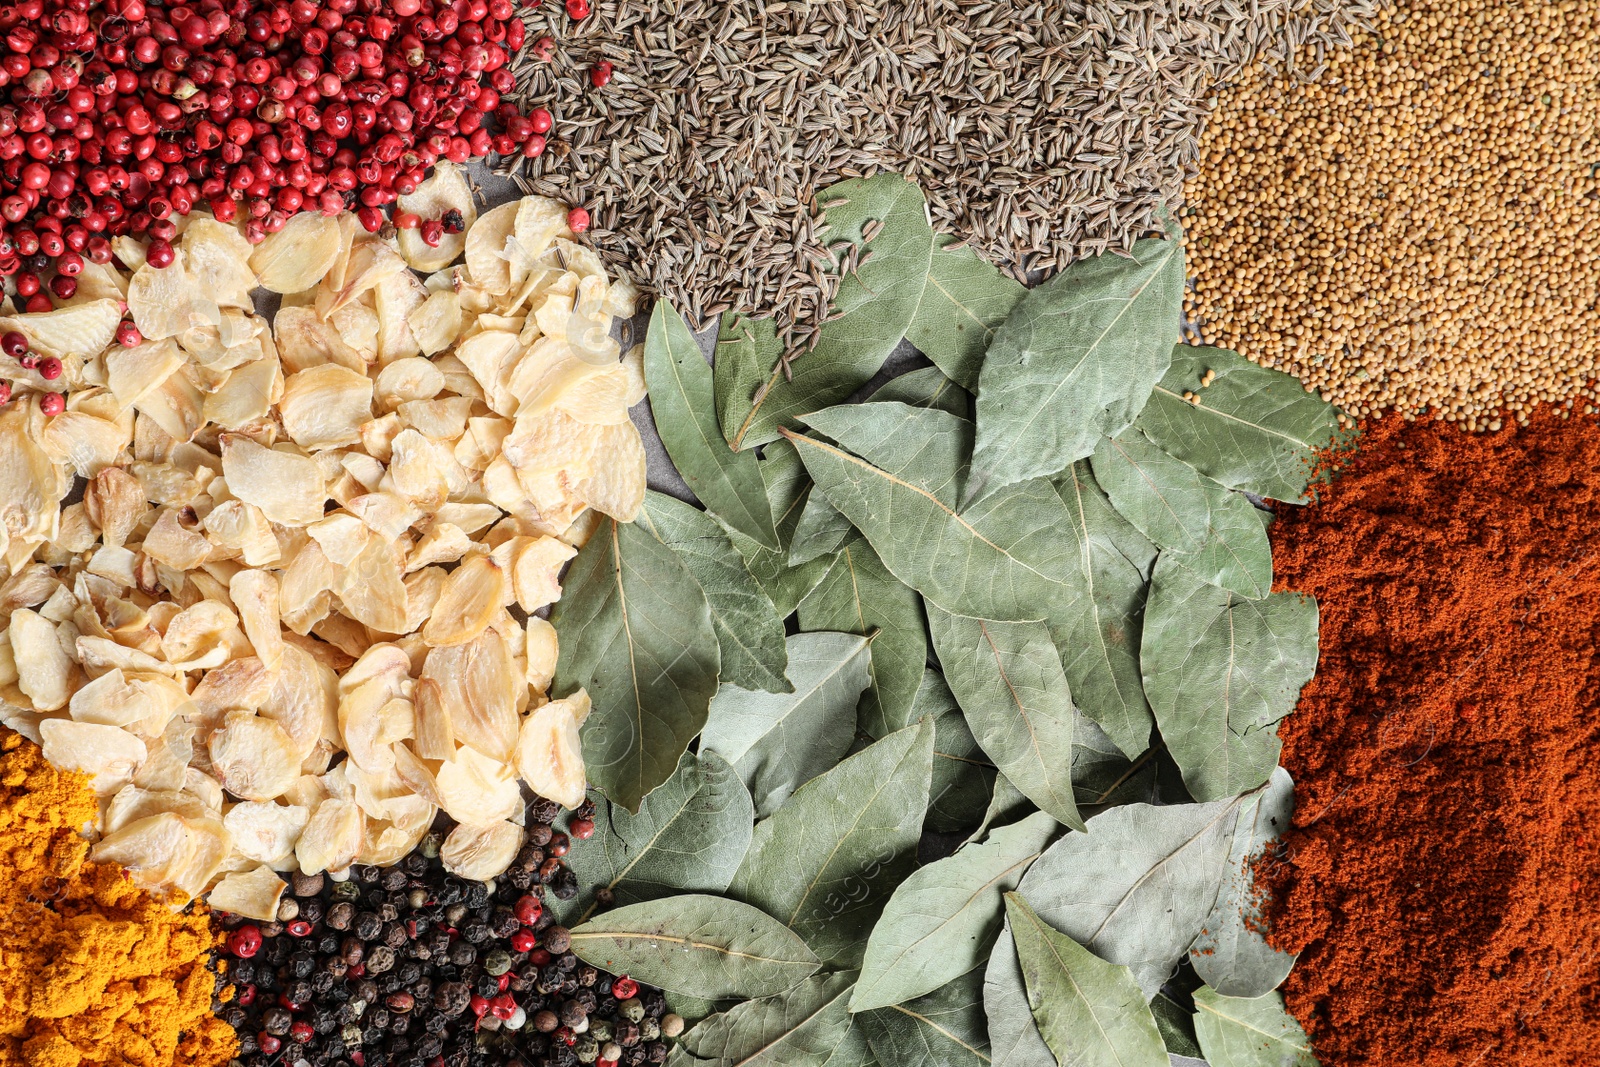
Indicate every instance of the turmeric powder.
{"type": "Point", "coordinates": [92, 969]}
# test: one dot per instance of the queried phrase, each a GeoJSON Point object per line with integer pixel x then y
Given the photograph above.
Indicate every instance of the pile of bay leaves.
{"type": "Point", "coordinates": [1020, 597]}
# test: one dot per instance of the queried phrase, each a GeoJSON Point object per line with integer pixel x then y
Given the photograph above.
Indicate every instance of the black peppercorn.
{"type": "Point", "coordinates": [463, 954]}
{"type": "Point", "coordinates": [557, 939]}
{"type": "Point", "coordinates": [394, 878]}
{"type": "Point", "coordinates": [340, 915]}
{"type": "Point", "coordinates": [311, 910]}
{"type": "Point", "coordinates": [367, 926]}
{"type": "Point", "coordinates": [487, 987]}
{"type": "Point", "coordinates": [321, 982]}
{"type": "Point", "coordinates": [368, 874]}
{"type": "Point", "coordinates": [353, 950]}
{"type": "Point", "coordinates": [234, 1017]}
{"type": "Point", "coordinates": [301, 964]}
{"type": "Point", "coordinates": [277, 1021]}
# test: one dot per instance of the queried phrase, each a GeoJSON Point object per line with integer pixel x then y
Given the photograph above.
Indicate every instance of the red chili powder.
{"type": "Point", "coordinates": [1442, 879]}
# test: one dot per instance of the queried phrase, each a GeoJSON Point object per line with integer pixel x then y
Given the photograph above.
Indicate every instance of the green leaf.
{"type": "Point", "coordinates": [1008, 679]}
{"type": "Point", "coordinates": [808, 1026]}
{"type": "Point", "coordinates": [1221, 671]}
{"type": "Point", "coordinates": [1090, 1013]}
{"type": "Point", "coordinates": [1013, 1035]}
{"type": "Point", "coordinates": [1230, 954]}
{"type": "Point", "coordinates": [779, 741]}
{"type": "Point", "coordinates": [822, 531]}
{"type": "Point", "coordinates": [965, 301]}
{"type": "Point", "coordinates": [925, 447]}
{"type": "Point", "coordinates": [1254, 429]}
{"type": "Point", "coordinates": [1215, 531]}
{"type": "Point", "coordinates": [943, 1029]}
{"type": "Point", "coordinates": [1002, 559]}
{"type": "Point", "coordinates": [1176, 1026]}
{"type": "Point", "coordinates": [689, 836]}
{"type": "Point", "coordinates": [1137, 887]}
{"type": "Point", "coordinates": [1102, 775]}
{"type": "Point", "coordinates": [1006, 805]}
{"type": "Point", "coordinates": [869, 315]}
{"type": "Point", "coordinates": [925, 387]}
{"type": "Point", "coordinates": [1240, 1032]}
{"type": "Point", "coordinates": [825, 863]}
{"type": "Point", "coordinates": [701, 945]}
{"type": "Point", "coordinates": [787, 490]}
{"type": "Point", "coordinates": [728, 483]}
{"type": "Point", "coordinates": [747, 348]}
{"type": "Point", "coordinates": [1076, 360]}
{"type": "Point", "coordinates": [858, 595]}
{"type": "Point", "coordinates": [941, 921]}
{"type": "Point", "coordinates": [648, 658]}
{"type": "Point", "coordinates": [963, 776]}
{"type": "Point", "coordinates": [748, 628]}
{"type": "Point", "coordinates": [1097, 633]}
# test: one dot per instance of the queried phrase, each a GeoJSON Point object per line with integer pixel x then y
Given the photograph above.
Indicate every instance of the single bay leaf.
{"type": "Point", "coordinates": [858, 595]}
{"type": "Point", "coordinates": [965, 301]}
{"type": "Point", "coordinates": [807, 1026]}
{"type": "Point", "coordinates": [1254, 429]}
{"type": "Point", "coordinates": [689, 836]}
{"type": "Point", "coordinates": [1231, 954]}
{"type": "Point", "coordinates": [728, 483]}
{"type": "Point", "coordinates": [748, 628]}
{"type": "Point", "coordinates": [697, 944]}
{"type": "Point", "coordinates": [1002, 559]}
{"type": "Point", "coordinates": [648, 658]}
{"type": "Point", "coordinates": [963, 775]}
{"type": "Point", "coordinates": [1090, 1013]}
{"type": "Point", "coordinates": [869, 314]}
{"type": "Point", "coordinates": [1102, 775]}
{"type": "Point", "coordinates": [1258, 1032]}
{"type": "Point", "coordinates": [926, 448]}
{"type": "Point", "coordinates": [941, 921]}
{"type": "Point", "coordinates": [821, 531]}
{"type": "Point", "coordinates": [942, 1029]}
{"type": "Point", "coordinates": [1177, 1027]}
{"type": "Point", "coordinates": [1097, 631]}
{"type": "Point", "coordinates": [825, 863]}
{"type": "Point", "coordinates": [926, 387]}
{"type": "Point", "coordinates": [1214, 531]}
{"type": "Point", "coordinates": [1221, 671]}
{"type": "Point", "coordinates": [1075, 360]}
{"type": "Point", "coordinates": [747, 348]}
{"type": "Point", "coordinates": [1008, 679]}
{"type": "Point", "coordinates": [1136, 888]}
{"type": "Point", "coordinates": [1014, 1039]}
{"type": "Point", "coordinates": [787, 490]}
{"type": "Point", "coordinates": [779, 741]}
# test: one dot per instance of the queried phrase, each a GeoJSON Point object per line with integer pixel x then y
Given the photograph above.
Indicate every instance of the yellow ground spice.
{"type": "Point", "coordinates": [1420, 229]}
{"type": "Point", "coordinates": [92, 970]}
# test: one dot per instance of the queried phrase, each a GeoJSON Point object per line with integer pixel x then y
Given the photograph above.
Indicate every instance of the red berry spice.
{"type": "Point", "coordinates": [578, 220]}
{"type": "Point", "coordinates": [14, 344]}
{"type": "Point", "coordinates": [578, 9]}
{"type": "Point", "coordinates": [478, 1005]}
{"type": "Point", "coordinates": [298, 928]}
{"type": "Point", "coordinates": [5, 392]}
{"type": "Point", "coordinates": [527, 909]}
{"type": "Point", "coordinates": [160, 254]}
{"type": "Point", "coordinates": [522, 940]}
{"type": "Point", "coordinates": [244, 942]}
{"type": "Point", "coordinates": [128, 335]}
{"type": "Point", "coordinates": [50, 368]}
{"type": "Point", "coordinates": [582, 829]}
{"type": "Point", "coordinates": [560, 845]}
{"type": "Point", "coordinates": [503, 1006]}
{"type": "Point", "coordinates": [246, 996]}
{"type": "Point", "coordinates": [601, 73]}
{"type": "Point", "coordinates": [544, 49]}
{"type": "Point", "coordinates": [624, 987]}
{"type": "Point", "coordinates": [269, 1044]}
{"type": "Point", "coordinates": [301, 1031]}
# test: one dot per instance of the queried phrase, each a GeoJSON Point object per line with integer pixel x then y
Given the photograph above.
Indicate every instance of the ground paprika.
{"type": "Point", "coordinates": [1442, 880]}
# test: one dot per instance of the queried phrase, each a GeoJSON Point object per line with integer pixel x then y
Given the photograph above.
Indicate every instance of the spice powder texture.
{"type": "Point", "coordinates": [1442, 879]}
{"type": "Point", "coordinates": [92, 969]}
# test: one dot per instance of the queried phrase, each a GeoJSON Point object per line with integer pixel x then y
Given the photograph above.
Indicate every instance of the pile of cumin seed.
{"type": "Point", "coordinates": [1042, 131]}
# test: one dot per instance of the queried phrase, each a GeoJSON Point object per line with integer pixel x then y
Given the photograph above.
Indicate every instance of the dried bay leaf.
{"type": "Point", "coordinates": [728, 483]}
{"type": "Point", "coordinates": [748, 628]}
{"type": "Point", "coordinates": [943, 1029]}
{"type": "Point", "coordinates": [965, 302]}
{"type": "Point", "coordinates": [1241, 1032]}
{"type": "Point", "coordinates": [779, 741]}
{"type": "Point", "coordinates": [1231, 955]}
{"type": "Point", "coordinates": [926, 387]}
{"type": "Point", "coordinates": [1014, 1039]}
{"type": "Point", "coordinates": [649, 658]}
{"type": "Point", "coordinates": [824, 864]}
{"type": "Point", "coordinates": [1089, 1012]}
{"type": "Point", "coordinates": [1075, 360]}
{"type": "Point", "coordinates": [1221, 671]}
{"type": "Point", "coordinates": [1007, 676]}
{"type": "Point", "coordinates": [925, 447]}
{"type": "Point", "coordinates": [1136, 888]}
{"type": "Point", "coordinates": [868, 316]}
{"type": "Point", "coordinates": [788, 488]}
{"type": "Point", "coordinates": [807, 1026]}
{"type": "Point", "coordinates": [1254, 428]}
{"type": "Point", "coordinates": [941, 921]}
{"type": "Point", "coordinates": [1215, 531]}
{"type": "Point", "coordinates": [689, 835]}
{"type": "Point", "coordinates": [697, 944]}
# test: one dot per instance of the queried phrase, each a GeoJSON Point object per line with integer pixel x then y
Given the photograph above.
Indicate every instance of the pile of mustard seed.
{"type": "Point", "coordinates": [1420, 229]}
